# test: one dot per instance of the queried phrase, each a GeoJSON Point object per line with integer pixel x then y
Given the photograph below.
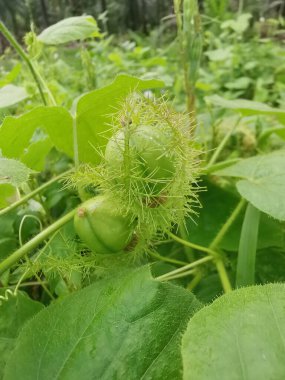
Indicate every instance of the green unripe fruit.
{"type": "Point", "coordinates": [153, 146]}
{"type": "Point", "coordinates": [102, 227]}
{"type": "Point", "coordinates": [148, 154]}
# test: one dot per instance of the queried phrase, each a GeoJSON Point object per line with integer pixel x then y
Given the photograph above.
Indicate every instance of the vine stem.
{"type": "Point", "coordinates": [32, 193]}
{"type": "Point", "coordinates": [8, 35]}
{"type": "Point", "coordinates": [228, 224]}
{"type": "Point", "coordinates": [166, 259]}
{"type": "Point", "coordinates": [192, 245]}
{"type": "Point", "coordinates": [33, 243]}
{"type": "Point", "coordinates": [222, 144]}
{"type": "Point", "coordinates": [175, 272]}
{"type": "Point", "coordinates": [180, 275]}
{"type": "Point", "coordinates": [212, 255]}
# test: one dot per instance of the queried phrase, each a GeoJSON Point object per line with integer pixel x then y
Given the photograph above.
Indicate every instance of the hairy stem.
{"type": "Point", "coordinates": [33, 243]}
{"type": "Point", "coordinates": [25, 198]}
{"type": "Point", "coordinates": [5, 31]}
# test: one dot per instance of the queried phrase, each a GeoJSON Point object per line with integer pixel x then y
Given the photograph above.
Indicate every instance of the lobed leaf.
{"type": "Point", "coordinates": [30, 136]}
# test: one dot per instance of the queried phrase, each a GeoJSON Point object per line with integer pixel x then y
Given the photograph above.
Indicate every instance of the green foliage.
{"type": "Point", "coordinates": [93, 122]}
{"type": "Point", "coordinates": [112, 329]}
{"type": "Point", "coordinates": [10, 95]}
{"type": "Point", "coordinates": [70, 29]}
{"type": "Point", "coordinates": [115, 129]}
{"type": "Point", "coordinates": [262, 183]}
{"type": "Point", "coordinates": [240, 335]}
{"type": "Point", "coordinates": [15, 311]}
{"type": "Point", "coordinates": [13, 172]}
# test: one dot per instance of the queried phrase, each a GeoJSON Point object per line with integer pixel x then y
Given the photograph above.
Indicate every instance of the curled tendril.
{"type": "Point", "coordinates": [8, 293]}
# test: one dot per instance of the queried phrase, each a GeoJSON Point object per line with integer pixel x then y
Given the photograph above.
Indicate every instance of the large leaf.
{"type": "Point", "coordinates": [13, 172]}
{"type": "Point", "coordinates": [14, 313]}
{"type": "Point", "coordinates": [94, 113]}
{"type": "Point", "coordinates": [262, 183]}
{"type": "Point", "coordinates": [125, 327]}
{"type": "Point", "coordinates": [246, 107]}
{"type": "Point", "coordinates": [70, 29]}
{"type": "Point", "coordinates": [240, 336]}
{"type": "Point", "coordinates": [11, 94]}
{"type": "Point", "coordinates": [18, 134]}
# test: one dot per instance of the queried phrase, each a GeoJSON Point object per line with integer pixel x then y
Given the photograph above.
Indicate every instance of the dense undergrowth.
{"type": "Point", "coordinates": [178, 140]}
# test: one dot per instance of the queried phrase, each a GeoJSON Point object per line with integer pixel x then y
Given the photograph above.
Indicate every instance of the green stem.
{"type": "Point", "coordinates": [189, 90]}
{"type": "Point", "coordinates": [166, 259]}
{"type": "Point", "coordinates": [180, 275]}
{"type": "Point", "coordinates": [197, 278]}
{"type": "Point", "coordinates": [33, 243]}
{"type": "Point", "coordinates": [25, 198]}
{"type": "Point", "coordinates": [213, 255]}
{"type": "Point", "coordinates": [223, 275]}
{"type": "Point", "coordinates": [192, 245]}
{"type": "Point", "coordinates": [25, 57]}
{"type": "Point", "coordinates": [185, 268]}
{"type": "Point", "coordinates": [222, 144]}
{"type": "Point", "coordinates": [219, 237]}
{"type": "Point", "coordinates": [240, 6]}
{"type": "Point", "coordinates": [220, 165]}
{"type": "Point", "coordinates": [247, 247]}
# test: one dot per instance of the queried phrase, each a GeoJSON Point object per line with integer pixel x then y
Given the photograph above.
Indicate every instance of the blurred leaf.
{"type": "Point", "coordinates": [94, 112]}
{"type": "Point", "coordinates": [246, 107]}
{"type": "Point", "coordinates": [219, 54]}
{"type": "Point", "coordinates": [239, 25]}
{"type": "Point", "coordinates": [14, 313]}
{"type": "Point", "coordinates": [6, 191]}
{"type": "Point", "coordinates": [123, 327]}
{"type": "Point", "coordinates": [13, 172]}
{"type": "Point", "coordinates": [11, 76]}
{"type": "Point", "coordinates": [238, 336]}
{"type": "Point", "coordinates": [70, 29]}
{"type": "Point", "coordinates": [270, 264]}
{"type": "Point", "coordinates": [18, 134]}
{"type": "Point", "coordinates": [262, 183]}
{"type": "Point", "coordinates": [10, 95]}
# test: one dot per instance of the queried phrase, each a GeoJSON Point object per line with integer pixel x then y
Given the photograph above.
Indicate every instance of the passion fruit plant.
{"type": "Point", "coordinates": [113, 273]}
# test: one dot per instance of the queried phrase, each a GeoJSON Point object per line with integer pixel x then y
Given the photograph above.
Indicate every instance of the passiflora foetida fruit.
{"type": "Point", "coordinates": [102, 227]}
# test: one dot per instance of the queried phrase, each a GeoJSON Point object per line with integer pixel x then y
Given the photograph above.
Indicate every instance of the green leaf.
{"type": "Point", "coordinates": [247, 107]}
{"type": "Point", "coordinates": [241, 335]}
{"type": "Point", "coordinates": [6, 191]}
{"type": "Point", "coordinates": [70, 29]}
{"type": "Point", "coordinates": [18, 134]}
{"type": "Point", "coordinates": [262, 183]}
{"type": "Point", "coordinates": [94, 114]}
{"type": "Point", "coordinates": [11, 94]}
{"type": "Point", "coordinates": [13, 172]}
{"type": "Point", "coordinates": [124, 327]}
{"type": "Point", "coordinates": [14, 313]}
{"type": "Point", "coordinates": [35, 155]}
